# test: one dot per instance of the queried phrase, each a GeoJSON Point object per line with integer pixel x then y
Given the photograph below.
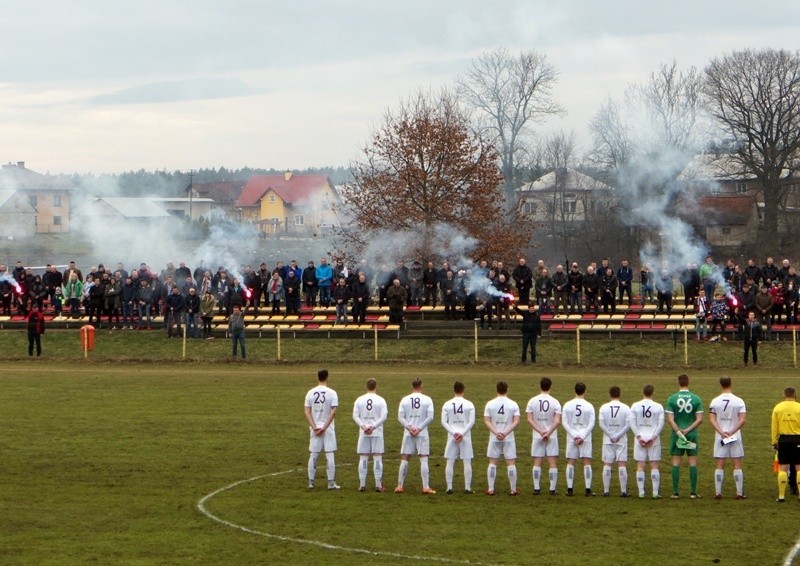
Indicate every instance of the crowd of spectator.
{"type": "Point", "coordinates": [719, 295]}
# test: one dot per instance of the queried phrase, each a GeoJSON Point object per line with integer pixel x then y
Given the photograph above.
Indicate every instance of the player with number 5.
{"type": "Point", "coordinates": [684, 414]}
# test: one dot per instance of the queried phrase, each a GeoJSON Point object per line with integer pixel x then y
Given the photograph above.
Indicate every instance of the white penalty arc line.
{"type": "Point", "coordinates": [792, 554]}
{"type": "Point", "coordinates": [201, 506]}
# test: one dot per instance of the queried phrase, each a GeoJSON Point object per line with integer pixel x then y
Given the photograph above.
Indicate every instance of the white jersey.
{"type": "Point", "coordinates": [370, 409]}
{"type": "Point", "coordinates": [501, 412]}
{"type": "Point", "coordinates": [613, 421]}
{"type": "Point", "coordinates": [728, 409]}
{"type": "Point", "coordinates": [321, 400]}
{"type": "Point", "coordinates": [646, 419]}
{"type": "Point", "coordinates": [458, 417]}
{"type": "Point", "coordinates": [416, 410]}
{"type": "Point", "coordinates": [578, 418]}
{"type": "Point", "coordinates": [543, 408]}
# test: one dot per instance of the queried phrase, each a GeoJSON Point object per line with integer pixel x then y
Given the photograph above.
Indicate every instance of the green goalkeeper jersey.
{"type": "Point", "coordinates": [684, 406]}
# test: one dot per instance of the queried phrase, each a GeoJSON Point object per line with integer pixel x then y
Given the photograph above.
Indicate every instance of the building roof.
{"type": "Point", "coordinates": [575, 182]}
{"type": "Point", "coordinates": [296, 188]}
{"type": "Point", "coordinates": [715, 210]}
{"type": "Point", "coordinates": [222, 192]}
{"type": "Point", "coordinates": [714, 167]}
{"type": "Point", "coordinates": [16, 176]}
{"type": "Point", "coordinates": [181, 199]}
{"type": "Point", "coordinates": [126, 207]}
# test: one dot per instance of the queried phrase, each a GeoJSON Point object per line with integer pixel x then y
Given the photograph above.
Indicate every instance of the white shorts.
{"type": "Point", "coordinates": [615, 453]}
{"type": "Point", "coordinates": [507, 449]}
{"type": "Point", "coordinates": [650, 453]}
{"type": "Point", "coordinates": [370, 444]}
{"type": "Point", "coordinates": [540, 448]}
{"type": "Point", "coordinates": [419, 445]}
{"type": "Point", "coordinates": [324, 443]}
{"type": "Point", "coordinates": [732, 450]}
{"type": "Point", "coordinates": [575, 452]}
{"type": "Point", "coordinates": [458, 450]}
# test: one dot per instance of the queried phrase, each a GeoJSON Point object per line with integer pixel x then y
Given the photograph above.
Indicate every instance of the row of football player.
{"type": "Point", "coordinates": [644, 419]}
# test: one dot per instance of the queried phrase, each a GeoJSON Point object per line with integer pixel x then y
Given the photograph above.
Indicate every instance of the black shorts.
{"type": "Point", "coordinates": [789, 449]}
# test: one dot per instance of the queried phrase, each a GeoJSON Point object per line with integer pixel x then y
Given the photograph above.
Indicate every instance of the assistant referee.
{"type": "Point", "coordinates": [786, 437]}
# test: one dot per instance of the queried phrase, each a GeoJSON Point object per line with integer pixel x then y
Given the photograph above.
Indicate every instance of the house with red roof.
{"type": "Point", "coordinates": [291, 203]}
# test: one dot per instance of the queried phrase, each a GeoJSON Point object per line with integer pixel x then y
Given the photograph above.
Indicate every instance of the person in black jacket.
{"type": "Point", "coordinates": [752, 333]}
{"type": "Point", "coordinates": [174, 306]}
{"type": "Point", "coordinates": [360, 295]}
{"type": "Point", "coordinates": [192, 304]}
{"type": "Point", "coordinates": [531, 330]}
{"type": "Point", "coordinates": [575, 287]}
{"type": "Point", "coordinates": [608, 291]}
{"type": "Point", "coordinates": [310, 288]}
{"type": "Point", "coordinates": [523, 279]}
{"type": "Point", "coordinates": [591, 285]}
{"type": "Point", "coordinates": [430, 284]}
{"type": "Point", "coordinates": [341, 297]}
{"type": "Point", "coordinates": [35, 330]}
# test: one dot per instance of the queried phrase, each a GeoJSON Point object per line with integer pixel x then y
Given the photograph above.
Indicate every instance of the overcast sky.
{"type": "Point", "coordinates": [98, 86]}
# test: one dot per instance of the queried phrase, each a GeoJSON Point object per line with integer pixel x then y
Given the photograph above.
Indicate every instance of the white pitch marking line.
{"type": "Point", "coordinates": [201, 506]}
{"type": "Point", "coordinates": [792, 554]}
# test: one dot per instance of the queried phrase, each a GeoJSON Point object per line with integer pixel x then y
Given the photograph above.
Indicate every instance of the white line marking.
{"type": "Point", "coordinates": [201, 506]}
{"type": "Point", "coordinates": [792, 554]}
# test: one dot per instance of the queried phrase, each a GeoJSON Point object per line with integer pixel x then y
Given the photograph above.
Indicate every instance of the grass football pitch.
{"type": "Point", "coordinates": [107, 463]}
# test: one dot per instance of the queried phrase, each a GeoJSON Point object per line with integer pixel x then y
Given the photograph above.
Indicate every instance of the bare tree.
{"type": "Point", "coordinates": [755, 96]}
{"type": "Point", "coordinates": [511, 93]}
{"type": "Point", "coordinates": [426, 167]}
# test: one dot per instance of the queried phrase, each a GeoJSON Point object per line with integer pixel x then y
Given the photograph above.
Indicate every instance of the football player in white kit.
{"type": "Point", "coordinates": [613, 421]}
{"type": "Point", "coordinates": [415, 414]}
{"type": "Point", "coordinates": [458, 418]}
{"type": "Point", "coordinates": [578, 419]}
{"type": "Point", "coordinates": [646, 421]}
{"type": "Point", "coordinates": [320, 409]}
{"type": "Point", "coordinates": [501, 417]}
{"type": "Point", "coordinates": [544, 416]}
{"type": "Point", "coordinates": [727, 415]}
{"type": "Point", "coordinates": [370, 412]}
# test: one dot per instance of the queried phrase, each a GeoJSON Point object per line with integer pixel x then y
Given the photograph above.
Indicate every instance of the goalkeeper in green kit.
{"type": "Point", "coordinates": [684, 412]}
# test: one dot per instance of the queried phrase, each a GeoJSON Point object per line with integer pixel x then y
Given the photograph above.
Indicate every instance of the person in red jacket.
{"type": "Point", "coordinates": [35, 330]}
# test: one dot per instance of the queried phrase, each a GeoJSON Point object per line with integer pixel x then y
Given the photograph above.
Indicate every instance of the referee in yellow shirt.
{"type": "Point", "coordinates": [786, 437]}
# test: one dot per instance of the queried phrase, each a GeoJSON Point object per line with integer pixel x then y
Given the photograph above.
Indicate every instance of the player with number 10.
{"type": "Point", "coordinates": [544, 416]}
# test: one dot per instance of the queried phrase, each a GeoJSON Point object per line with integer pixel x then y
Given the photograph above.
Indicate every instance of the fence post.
{"type": "Point", "coordinates": [685, 347]}
{"type": "Point", "coordinates": [794, 347]}
{"type": "Point", "coordinates": [578, 342]}
{"type": "Point", "coordinates": [183, 353]}
{"type": "Point", "coordinates": [475, 325]}
{"type": "Point", "coordinates": [375, 343]}
{"type": "Point", "coordinates": [278, 342]}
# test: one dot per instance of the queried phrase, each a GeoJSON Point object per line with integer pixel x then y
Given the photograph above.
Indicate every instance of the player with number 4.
{"type": "Point", "coordinates": [501, 417]}
{"type": "Point", "coordinates": [684, 414]}
{"type": "Point", "coordinates": [579, 419]}
{"type": "Point", "coordinates": [544, 416]}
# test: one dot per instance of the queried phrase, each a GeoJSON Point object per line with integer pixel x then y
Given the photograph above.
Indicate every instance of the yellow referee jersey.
{"type": "Point", "coordinates": [785, 419]}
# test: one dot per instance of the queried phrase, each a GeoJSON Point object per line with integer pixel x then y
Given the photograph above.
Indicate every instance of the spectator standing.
{"type": "Point", "coordinates": [591, 286]}
{"type": "Point", "coordinates": [396, 296]}
{"type": "Point", "coordinates": [275, 289]}
{"type": "Point", "coordinates": [523, 280]}
{"type": "Point", "coordinates": [127, 298]}
{"type": "Point", "coordinates": [174, 307]}
{"type": "Point", "coordinates": [531, 329]}
{"type": "Point", "coordinates": [144, 302]}
{"type": "Point", "coordinates": [415, 283]}
{"type": "Point", "coordinates": [646, 282]}
{"type": "Point", "coordinates": [360, 295]}
{"type": "Point", "coordinates": [752, 334]}
{"type": "Point", "coordinates": [35, 330]}
{"type": "Point", "coordinates": [324, 275]}
{"type": "Point", "coordinates": [430, 284]}
{"type": "Point", "coordinates": [701, 312]}
{"type": "Point", "coordinates": [341, 298]}
{"type": "Point", "coordinates": [291, 291]}
{"type": "Point", "coordinates": [719, 314]}
{"type": "Point", "coordinates": [310, 287]}
{"type": "Point", "coordinates": [192, 312]}
{"type": "Point", "coordinates": [608, 290]}
{"type": "Point", "coordinates": [544, 289]}
{"type": "Point", "coordinates": [111, 295]}
{"type": "Point", "coordinates": [560, 283]}
{"type": "Point", "coordinates": [625, 280]}
{"type": "Point", "coordinates": [236, 330]}
{"type": "Point", "coordinates": [763, 309]}
{"type": "Point", "coordinates": [207, 303]}
{"type": "Point", "coordinates": [575, 278]}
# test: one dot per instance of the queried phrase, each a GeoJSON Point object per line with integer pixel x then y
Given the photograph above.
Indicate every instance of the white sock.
{"type": "Point", "coordinates": [491, 472]}
{"type": "Point", "coordinates": [401, 474]}
{"type": "Point", "coordinates": [312, 466]}
{"type": "Point", "coordinates": [512, 477]}
{"type": "Point", "coordinates": [553, 472]}
{"type": "Point", "coordinates": [738, 479]}
{"type": "Point", "coordinates": [640, 482]}
{"type": "Point", "coordinates": [719, 475]}
{"type": "Point", "coordinates": [537, 477]}
{"type": "Point", "coordinates": [623, 480]}
{"type": "Point", "coordinates": [468, 474]}
{"type": "Point", "coordinates": [570, 475]}
{"type": "Point", "coordinates": [377, 470]}
{"type": "Point", "coordinates": [587, 476]}
{"type": "Point", "coordinates": [363, 462]}
{"type": "Point", "coordinates": [424, 472]}
{"type": "Point", "coordinates": [331, 466]}
{"type": "Point", "coordinates": [449, 472]}
{"type": "Point", "coordinates": [655, 477]}
{"type": "Point", "coordinates": [606, 478]}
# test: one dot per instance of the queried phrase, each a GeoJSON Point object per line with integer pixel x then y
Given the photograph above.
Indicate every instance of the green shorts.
{"type": "Point", "coordinates": [675, 451]}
